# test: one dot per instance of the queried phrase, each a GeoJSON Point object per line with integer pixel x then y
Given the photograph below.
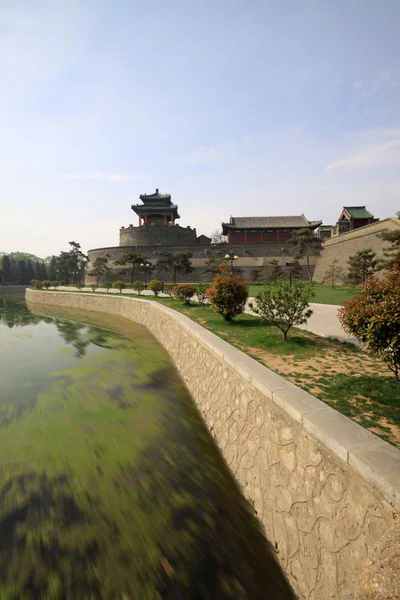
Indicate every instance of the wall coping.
{"type": "Point", "coordinates": [361, 231]}
{"type": "Point", "coordinates": [376, 461]}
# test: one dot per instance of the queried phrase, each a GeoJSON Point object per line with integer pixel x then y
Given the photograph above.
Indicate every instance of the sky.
{"type": "Point", "coordinates": [234, 107]}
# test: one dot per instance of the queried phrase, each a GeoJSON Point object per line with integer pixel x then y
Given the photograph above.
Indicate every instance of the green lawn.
{"type": "Point", "coordinates": [324, 294]}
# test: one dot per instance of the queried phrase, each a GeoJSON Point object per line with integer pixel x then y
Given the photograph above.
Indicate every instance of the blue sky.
{"type": "Point", "coordinates": [235, 107]}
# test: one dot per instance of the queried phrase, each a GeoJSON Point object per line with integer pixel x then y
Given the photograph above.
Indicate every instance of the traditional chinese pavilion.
{"type": "Point", "coordinates": [156, 209]}
{"type": "Point", "coordinates": [265, 229]}
{"type": "Point", "coordinates": [352, 217]}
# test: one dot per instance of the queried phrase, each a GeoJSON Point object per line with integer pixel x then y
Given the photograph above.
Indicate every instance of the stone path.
{"type": "Point", "coordinates": [324, 320]}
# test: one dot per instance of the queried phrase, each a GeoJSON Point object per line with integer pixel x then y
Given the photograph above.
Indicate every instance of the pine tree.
{"type": "Point", "coordinates": [392, 253]}
{"type": "Point", "coordinates": [306, 244]}
{"type": "Point", "coordinates": [333, 273]}
{"type": "Point", "coordinates": [361, 265]}
{"type": "Point", "coordinates": [6, 270]}
{"type": "Point", "coordinates": [21, 273]}
{"type": "Point", "coordinates": [42, 271]}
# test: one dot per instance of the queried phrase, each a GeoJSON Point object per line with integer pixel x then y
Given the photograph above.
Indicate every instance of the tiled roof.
{"type": "Point", "coordinates": [358, 212]}
{"type": "Point", "coordinates": [271, 222]}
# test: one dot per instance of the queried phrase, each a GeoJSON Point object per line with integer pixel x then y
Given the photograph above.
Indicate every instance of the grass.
{"type": "Point", "coordinates": [324, 294]}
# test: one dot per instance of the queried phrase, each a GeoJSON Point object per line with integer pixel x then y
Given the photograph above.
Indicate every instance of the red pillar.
{"type": "Point", "coordinates": [146, 219]}
{"type": "Point", "coordinates": [278, 236]}
{"type": "Point", "coordinates": [140, 221]}
{"type": "Point", "coordinates": [245, 237]}
{"type": "Point", "coordinates": [261, 236]}
{"type": "Point", "coordinates": [165, 220]}
{"type": "Point", "coordinates": [229, 237]}
{"type": "Point", "coordinates": [172, 220]}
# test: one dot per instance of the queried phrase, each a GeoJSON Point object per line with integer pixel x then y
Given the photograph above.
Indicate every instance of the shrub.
{"type": "Point", "coordinates": [138, 286]}
{"type": "Point", "coordinates": [79, 285]}
{"type": "Point", "coordinates": [119, 285]}
{"type": "Point", "coordinates": [37, 284]}
{"type": "Point", "coordinates": [184, 291]}
{"type": "Point", "coordinates": [168, 289]}
{"type": "Point", "coordinates": [55, 284]}
{"type": "Point", "coordinates": [46, 284]}
{"type": "Point", "coordinates": [93, 286]}
{"type": "Point", "coordinates": [107, 285]}
{"type": "Point", "coordinates": [201, 292]}
{"type": "Point", "coordinates": [284, 305]}
{"type": "Point", "coordinates": [227, 295]}
{"type": "Point", "coordinates": [155, 286]}
{"type": "Point", "coordinates": [373, 317]}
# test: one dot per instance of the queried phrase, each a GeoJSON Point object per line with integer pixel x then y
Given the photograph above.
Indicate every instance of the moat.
{"type": "Point", "coordinates": [111, 486]}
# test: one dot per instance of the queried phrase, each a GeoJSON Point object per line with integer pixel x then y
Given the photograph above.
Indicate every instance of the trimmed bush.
{"type": "Point", "coordinates": [119, 285]}
{"type": "Point", "coordinates": [373, 317]}
{"type": "Point", "coordinates": [168, 289]}
{"type": "Point", "coordinates": [37, 284]}
{"type": "Point", "coordinates": [94, 287]}
{"type": "Point", "coordinates": [79, 285]}
{"type": "Point", "coordinates": [107, 285]}
{"type": "Point", "coordinates": [138, 286]}
{"type": "Point", "coordinates": [284, 304]}
{"type": "Point", "coordinates": [46, 284]}
{"type": "Point", "coordinates": [201, 292]}
{"type": "Point", "coordinates": [155, 286]}
{"type": "Point", "coordinates": [55, 284]}
{"type": "Point", "coordinates": [184, 292]}
{"type": "Point", "coordinates": [228, 295]}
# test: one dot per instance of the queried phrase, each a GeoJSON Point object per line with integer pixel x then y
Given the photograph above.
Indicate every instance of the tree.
{"type": "Point", "coordinates": [227, 295]}
{"type": "Point", "coordinates": [201, 292]}
{"type": "Point", "coordinates": [100, 267]}
{"type": "Point", "coordinates": [133, 259]}
{"type": "Point", "coordinates": [21, 273]}
{"type": "Point", "coordinates": [119, 285]}
{"type": "Point", "coordinates": [293, 271]}
{"type": "Point", "coordinates": [284, 305]}
{"type": "Point", "coordinates": [179, 262]}
{"type": "Point", "coordinates": [42, 271]}
{"type": "Point", "coordinates": [79, 285]}
{"type": "Point", "coordinates": [6, 270]}
{"type": "Point", "coordinates": [392, 253]}
{"type": "Point", "coordinates": [168, 289]}
{"type": "Point", "coordinates": [76, 257]}
{"type": "Point", "coordinates": [373, 317]}
{"type": "Point", "coordinates": [361, 265]}
{"type": "Point", "coordinates": [155, 286]}
{"type": "Point", "coordinates": [184, 292]}
{"type": "Point", "coordinates": [306, 244]}
{"type": "Point", "coordinates": [107, 285]}
{"type": "Point", "coordinates": [333, 272]}
{"type": "Point", "coordinates": [30, 272]}
{"type": "Point", "coordinates": [217, 237]}
{"type": "Point", "coordinates": [64, 266]}
{"type": "Point", "coordinates": [52, 269]}
{"type": "Point", "coordinates": [398, 214]}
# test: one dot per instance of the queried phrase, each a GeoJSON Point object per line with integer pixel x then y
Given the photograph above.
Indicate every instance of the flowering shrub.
{"type": "Point", "coordinates": [373, 317]}
{"type": "Point", "coordinates": [155, 286]}
{"type": "Point", "coordinates": [184, 291]}
{"type": "Point", "coordinates": [119, 285]}
{"type": "Point", "coordinates": [227, 295]}
{"type": "Point", "coordinates": [284, 304]}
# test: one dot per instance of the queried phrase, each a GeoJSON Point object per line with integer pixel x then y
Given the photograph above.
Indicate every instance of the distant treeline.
{"type": "Point", "coordinates": [15, 270]}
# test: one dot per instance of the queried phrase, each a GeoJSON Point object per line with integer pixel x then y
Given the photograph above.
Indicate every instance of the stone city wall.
{"type": "Point", "coordinates": [345, 245]}
{"type": "Point", "coordinates": [325, 489]}
{"type": "Point", "coordinates": [251, 257]}
{"type": "Point", "coordinates": [147, 235]}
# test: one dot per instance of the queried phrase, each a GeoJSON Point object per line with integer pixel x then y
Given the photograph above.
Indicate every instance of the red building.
{"type": "Point", "coordinates": [259, 230]}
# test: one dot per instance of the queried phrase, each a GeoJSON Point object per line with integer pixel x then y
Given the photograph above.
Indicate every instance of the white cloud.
{"type": "Point", "coordinates": [110, 177]}
{"type": "Point", "coordinates": [383, 152]}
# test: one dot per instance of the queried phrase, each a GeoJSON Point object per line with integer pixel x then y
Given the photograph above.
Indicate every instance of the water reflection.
{"type": "Point", "coordinates": [110, 485]}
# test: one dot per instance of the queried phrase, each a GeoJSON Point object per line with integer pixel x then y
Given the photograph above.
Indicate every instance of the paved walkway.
{"type": "Point", "coordinates": [324, 320]}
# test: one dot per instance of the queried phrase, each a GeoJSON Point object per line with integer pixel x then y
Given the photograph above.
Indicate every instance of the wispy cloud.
{"type": "Point", "coordinates": [111, 177]}
{"type": "Point", "coordinates": [383, 152]}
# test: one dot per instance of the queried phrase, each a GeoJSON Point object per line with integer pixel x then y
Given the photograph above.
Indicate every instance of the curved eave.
{"type": "Point", "coordinates": [141, 210]}
{"type": "Point", "coordinates": [226, 227]}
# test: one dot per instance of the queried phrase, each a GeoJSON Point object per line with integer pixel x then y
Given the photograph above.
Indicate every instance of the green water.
{"type": "Point", "coordinates": [110, 485]}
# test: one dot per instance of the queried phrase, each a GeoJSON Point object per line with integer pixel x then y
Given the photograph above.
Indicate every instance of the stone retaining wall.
{"type": "Point", "coordinates": [12, 289]}
{"type": "Point", "coordinates": [325, 489]}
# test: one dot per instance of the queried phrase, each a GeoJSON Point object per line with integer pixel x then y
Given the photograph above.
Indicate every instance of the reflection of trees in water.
{"type": "Point", "coordinates": [14, 312]}
{"type": "Point", "coordinates": [80, 336]}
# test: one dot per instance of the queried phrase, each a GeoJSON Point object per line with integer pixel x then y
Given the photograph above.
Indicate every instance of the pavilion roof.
{"type": "Point", "coordinates": [281, 222]}
{"type": "Point", "coordinates": [358, 212]}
